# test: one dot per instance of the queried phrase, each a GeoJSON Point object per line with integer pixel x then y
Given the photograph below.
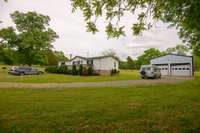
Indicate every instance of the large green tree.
{"type": "Point", "coordinates": [148, 54]}
{"type": "Point", "coordinates": [182, 14]}
{"type": "Point", "coordinates": [31, 38]}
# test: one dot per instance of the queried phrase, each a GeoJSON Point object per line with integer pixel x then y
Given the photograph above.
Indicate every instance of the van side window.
{"type": "Point", "coordinates": [148, 68]}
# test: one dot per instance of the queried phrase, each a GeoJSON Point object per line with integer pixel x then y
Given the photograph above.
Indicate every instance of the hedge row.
{"type": "Point", "coordinates": [58, 69]}
{"type": "Point", "coordinates": [75, 71]}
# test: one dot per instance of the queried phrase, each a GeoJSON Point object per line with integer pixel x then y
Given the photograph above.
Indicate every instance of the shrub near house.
{"type": "Point", "coordinates": [58, 69]}
{"type": "Point", "coordinates": [76, 70]}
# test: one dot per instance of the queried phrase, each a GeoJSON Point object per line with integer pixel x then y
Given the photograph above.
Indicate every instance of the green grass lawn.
{"type": "Point", "coordinates": [156, 108]}
{"type": "Point", "coordinates": [61, 78]}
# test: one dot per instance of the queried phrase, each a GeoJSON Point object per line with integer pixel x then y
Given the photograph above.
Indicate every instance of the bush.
{"type": "Point", "coordinates": [51, 69]}
{"type": "Point", "coordinates": [58, 69]}
{"type": "Point", "coordinates": [64, 70]}
{"type": "Point", "coordinates": [114, 72]}
{"type": "Point", "coordinates": [85, 71]}
{"type": "Point", "coordinates": [74, 71]}
{"type": "Point", "coordinates": [80, 71]}
{"type": "Point", "coordinates": [90, 70]}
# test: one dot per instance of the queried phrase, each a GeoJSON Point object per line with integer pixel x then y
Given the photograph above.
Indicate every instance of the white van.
{"type": "Point", "coordinates": [150, 71]}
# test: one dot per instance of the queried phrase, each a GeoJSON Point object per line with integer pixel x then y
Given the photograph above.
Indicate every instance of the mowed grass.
{"type": "Point", "coordinates": [156, 108]}
{"type": "Point", "coordinates": [61, 78]}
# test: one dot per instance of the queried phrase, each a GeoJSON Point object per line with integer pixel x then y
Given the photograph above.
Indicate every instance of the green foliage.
{"type": "Point", "coordinates": [52, 59]}
{"type": "Point", "coordinates": [31, 38]}
{"type": "Point", "coordinates": [58, 69]}
{"type": "Point", "coordinates": [196, 62]}
{"type": "Point", "coordinates": [182, 14]}
{"type": "Point", "coordinates": [90, 71]}
{"type": "Point", "coordinates": [60, 56]}
{"type": "Point", "coordinates": [80, 71]}
{"type": "Point", "coordinates": [7, 56]}
{"type": "Point", "coordinates": [91, 27]}
{"type": "Point", "coordinates": [114, 72]}
{"type": "Point", "coordinates": [131, 64]}
{"type": "Point", "coordinates": [179, 49]}
{"type": "Point", "coordinates": [74, 71]}
{"type": "Point", "coordinates": [148, 55]}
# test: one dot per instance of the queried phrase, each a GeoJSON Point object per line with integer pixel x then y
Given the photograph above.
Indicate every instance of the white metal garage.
{"type": "Point", "coordinates": [175, 65]}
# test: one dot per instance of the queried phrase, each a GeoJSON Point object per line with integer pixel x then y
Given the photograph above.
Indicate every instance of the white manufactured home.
{"type": "Point", "coordinates": [175, 65]}
{"type": "Point", "coordinates": [102, 64]}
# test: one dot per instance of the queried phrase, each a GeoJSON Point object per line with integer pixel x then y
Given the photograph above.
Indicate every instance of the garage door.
{"type": "Point", "coordinates": [181, 70]}
{"type": "Point", "coordinates": [164, 69]}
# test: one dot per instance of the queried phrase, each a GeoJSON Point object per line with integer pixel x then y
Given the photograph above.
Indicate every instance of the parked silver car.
{"type": "Point", "coordinates": [24, 70]}
{"type": "Point", "coordinates": [150, 71]}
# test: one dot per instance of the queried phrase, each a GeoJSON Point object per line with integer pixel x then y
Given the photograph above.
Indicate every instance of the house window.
{"type": "Point", "coordinates": [76, 62]}
{"type": "Point", "coordinates": [90, 62]}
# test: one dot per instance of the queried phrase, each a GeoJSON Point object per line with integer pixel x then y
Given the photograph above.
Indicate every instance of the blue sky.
{"type": "Point", "coordinates": [76, 41]}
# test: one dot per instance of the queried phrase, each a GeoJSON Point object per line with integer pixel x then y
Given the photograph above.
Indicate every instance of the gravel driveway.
{"type": "Point", "coordinates": [121, 83]}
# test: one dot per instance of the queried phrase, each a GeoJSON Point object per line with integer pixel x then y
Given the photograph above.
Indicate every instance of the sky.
{"type": "Point", "coordinates": [73, 38]}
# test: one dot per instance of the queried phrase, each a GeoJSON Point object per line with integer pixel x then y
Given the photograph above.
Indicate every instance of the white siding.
{"type": "Point", "coordinates": [107, 63]}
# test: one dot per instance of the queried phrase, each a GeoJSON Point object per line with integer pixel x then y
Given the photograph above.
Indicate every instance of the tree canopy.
{"type": "Point", "coordinates": [179, 49]}
{"type": "Point", "coordinates": [182, 14]}
{"type": "Point", "coordinates": [31, 38]}
{"type": "Point", "coordinates": [149, 54]}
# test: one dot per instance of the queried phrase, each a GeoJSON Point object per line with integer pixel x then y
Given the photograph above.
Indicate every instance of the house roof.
{"type": "Point", "coordinates": [172, 54]}
{"type": "Point", "coordinates": [91, 58]}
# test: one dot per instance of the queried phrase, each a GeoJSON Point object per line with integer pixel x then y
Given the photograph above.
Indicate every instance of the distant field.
{"type": "Point", "coordinates": [61, 78]}
{"type": "Point", "coordinates": [153, 108]}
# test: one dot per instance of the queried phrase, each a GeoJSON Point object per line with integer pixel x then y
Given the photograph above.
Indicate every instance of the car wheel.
{"type": "Point", "coordinates": [21, 74]}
